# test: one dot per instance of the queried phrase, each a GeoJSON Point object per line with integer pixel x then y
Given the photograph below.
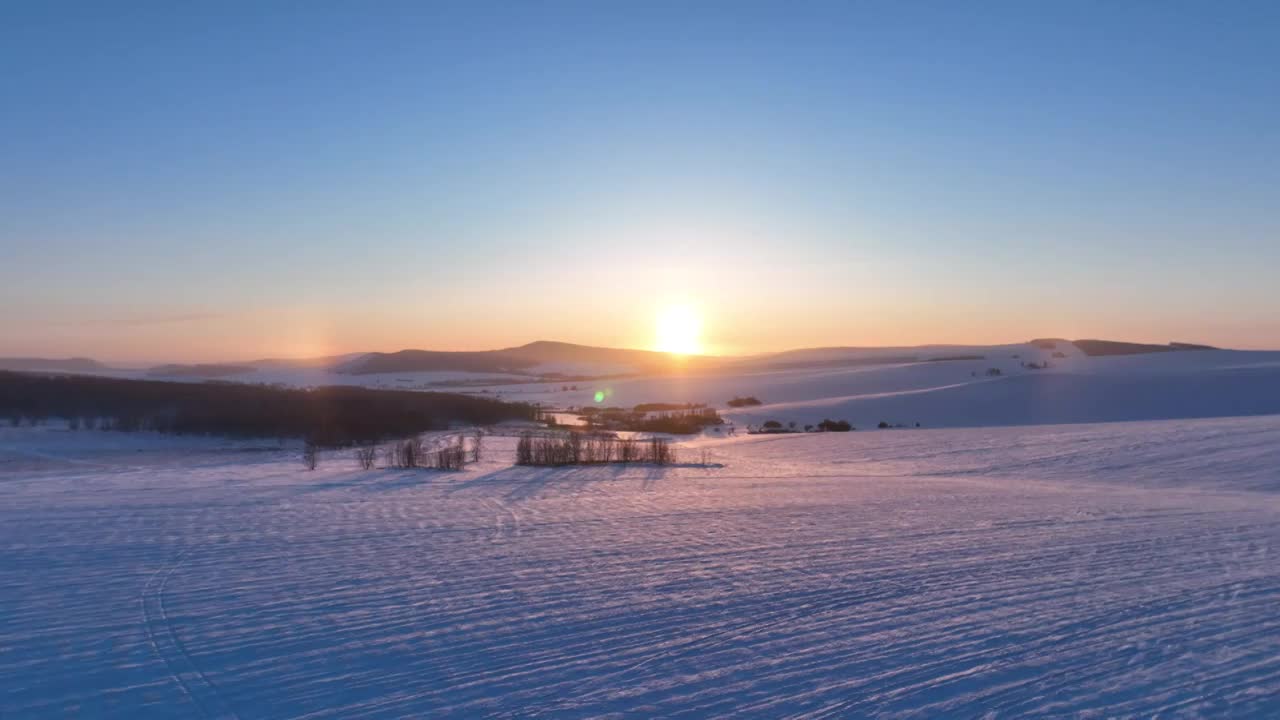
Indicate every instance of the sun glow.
{"type": "Point", "coordinates": [679, 330]}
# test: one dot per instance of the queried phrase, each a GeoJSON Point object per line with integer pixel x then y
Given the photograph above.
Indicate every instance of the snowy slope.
{"type": "Point", "coordinates": [1084, 570]}
{"type": "Point", "coordinates": [959, 393]}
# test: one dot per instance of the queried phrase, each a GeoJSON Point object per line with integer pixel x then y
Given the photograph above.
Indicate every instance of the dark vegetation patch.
{"type": "Point", "coordinates": [330, 416]}
{"type": "Point", "coordinates": [747, 401]}
{"type": "Point", "coordinates": [1102, 348]}
{"type": "Point", "coordinates": [667, 407]}
{"type": "Point", "coordinates": [685, 420]}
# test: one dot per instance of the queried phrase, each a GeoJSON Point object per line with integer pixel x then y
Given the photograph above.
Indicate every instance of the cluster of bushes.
{"type": "Point", "coordinates": [747, 401]}
{"type": "Point", "coordinates": [330, 416]}
{"type": "Point", "coordinates": [827, 425]}
{"type": "Point", "coordinates": [450, 452]}
{"type": "Point", "coordinates": [591, 449]}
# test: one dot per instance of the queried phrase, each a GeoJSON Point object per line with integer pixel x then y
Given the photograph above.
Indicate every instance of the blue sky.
{"type": "Point", "coordinates": [227, 180]}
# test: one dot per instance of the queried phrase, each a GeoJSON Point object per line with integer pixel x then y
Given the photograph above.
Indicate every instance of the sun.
{"type": "Point", "coordinates": [679, 330]}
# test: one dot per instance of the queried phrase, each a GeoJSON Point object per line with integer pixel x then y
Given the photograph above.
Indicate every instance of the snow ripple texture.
{"type": "Point", "coordinates": [1058, 571]}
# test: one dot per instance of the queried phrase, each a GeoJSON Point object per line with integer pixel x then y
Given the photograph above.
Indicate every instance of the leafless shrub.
{"type": "Point", "coordinates": [410, 453]}
{"type": "Point", "coordinates": [448, 452]}
{"type": "Point", "coordinates": [310, 456]}
{"type": "Point", "coordinates": [575, 448]}
{"type": "Point", "coordinates": [365, 456]}
{"type": "Point", "coordinates": [660, 452]}
{"type": "Point", "coordinates": [452, 456]}
{"type": "Point", "coordinates": [524, 449]}
{"type": "Point", "coordinates": [627, 450]}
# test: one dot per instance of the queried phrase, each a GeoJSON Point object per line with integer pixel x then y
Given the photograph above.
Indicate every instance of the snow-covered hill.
{"type": "Point", "coordinates": [961, 393]}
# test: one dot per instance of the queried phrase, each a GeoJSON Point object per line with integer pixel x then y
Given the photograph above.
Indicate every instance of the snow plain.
{"type": "Point", "coordinates": [1094, 570]}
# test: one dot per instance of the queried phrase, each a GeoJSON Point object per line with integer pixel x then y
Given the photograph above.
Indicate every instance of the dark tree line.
{"type": "Point", "coordinates": [682, 420]}
{"type": "Point", "coordinates": [329, 416]}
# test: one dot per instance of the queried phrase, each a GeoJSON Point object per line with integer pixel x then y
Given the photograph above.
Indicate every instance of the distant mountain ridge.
{"type": "Point", "coordinates": [520, 360]}
{"type": "Point", "coordinates": [200, 370]}
{"type": "Point", "coordinates": [75, 364]}
{"type": "Point", "coordinates": [551, 359]}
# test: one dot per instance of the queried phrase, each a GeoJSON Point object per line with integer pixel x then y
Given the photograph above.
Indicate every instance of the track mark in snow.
{"type": "Point", "coordinates": [506, 521]}
{"type": "Point", "coordinates": [164, 640]}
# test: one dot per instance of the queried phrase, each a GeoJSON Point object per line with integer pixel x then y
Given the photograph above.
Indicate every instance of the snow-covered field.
{"type": "Point", "coordinates": [1102, 570]}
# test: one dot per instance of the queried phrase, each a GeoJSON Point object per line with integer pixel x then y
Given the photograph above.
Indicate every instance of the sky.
{"type": "Point", "coordinates": [227, 181]}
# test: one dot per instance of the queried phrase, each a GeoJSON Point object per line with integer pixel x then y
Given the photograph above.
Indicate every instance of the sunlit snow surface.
{"type": "Point", "coordinates": [1087, 570]}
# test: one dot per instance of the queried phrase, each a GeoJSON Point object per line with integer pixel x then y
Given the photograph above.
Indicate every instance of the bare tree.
{"type": "Point", "coordinates": [410, 453]}
{"type": "Point", "coordinates": [310, 456]}
{"type": "Point", "coordinates": [366, 455]}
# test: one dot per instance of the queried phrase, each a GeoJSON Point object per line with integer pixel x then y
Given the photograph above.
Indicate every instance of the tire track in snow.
{"type": "Point", "coordinates": [169, 648]}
